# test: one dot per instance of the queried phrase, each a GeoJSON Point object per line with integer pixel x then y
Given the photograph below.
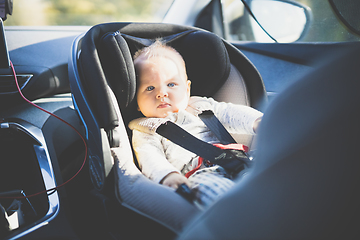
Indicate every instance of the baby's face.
{"type": "Point", "coordinates": [162, 88]}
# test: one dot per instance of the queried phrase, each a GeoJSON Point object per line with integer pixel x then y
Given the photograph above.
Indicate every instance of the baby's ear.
{"type": "Point", "coordinates": [188, 86]}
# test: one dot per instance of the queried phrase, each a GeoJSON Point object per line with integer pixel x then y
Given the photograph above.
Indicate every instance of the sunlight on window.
{"type": "Point", "coordinates": [85, 12]}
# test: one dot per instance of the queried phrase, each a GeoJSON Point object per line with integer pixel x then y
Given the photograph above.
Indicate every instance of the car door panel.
{"type": "Point", "coordinates": [281, 64]}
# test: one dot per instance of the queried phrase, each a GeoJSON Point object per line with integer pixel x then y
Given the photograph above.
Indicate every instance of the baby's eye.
{"type": "Point", "coordinates": [150, 88]}
{"type": "Point", "coordinates": [171, 85]}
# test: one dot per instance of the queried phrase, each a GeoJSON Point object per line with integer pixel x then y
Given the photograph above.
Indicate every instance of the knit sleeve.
{"type": "Point", "coordinates": [150, 155]}
{"type": "Point", "coordinates": [237, 119]}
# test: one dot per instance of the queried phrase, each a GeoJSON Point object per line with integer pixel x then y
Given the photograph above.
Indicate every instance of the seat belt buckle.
{"type": "Point", "coordinates": [233, 161]}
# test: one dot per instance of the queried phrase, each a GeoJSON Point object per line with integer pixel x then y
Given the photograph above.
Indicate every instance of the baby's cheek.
{"type": "Point", "coordinates": [183, 104]}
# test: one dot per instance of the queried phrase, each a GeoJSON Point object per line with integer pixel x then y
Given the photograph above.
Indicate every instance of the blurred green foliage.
{"type": "Point", "coordinates": [85, 12]}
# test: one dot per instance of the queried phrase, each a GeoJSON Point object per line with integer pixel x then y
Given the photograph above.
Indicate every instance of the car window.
{"type": "Point", "coordinates": [322, 26]}
{"type": "Point", "coordinates": [85, 12]}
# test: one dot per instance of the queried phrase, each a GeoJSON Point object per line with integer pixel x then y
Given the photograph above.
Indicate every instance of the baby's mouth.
{"type": "Point", "coordinates": [164, 105]}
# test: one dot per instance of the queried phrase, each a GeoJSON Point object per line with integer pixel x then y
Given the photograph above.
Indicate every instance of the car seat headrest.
{"type": "Point", "coordinates": [118, 67]}
{"type": "Point", "coordinates": [205, 55]}
{"type": "Point", "coordinates": [207, 61]}
{"type": "Point", "coordinates": [105, 62]}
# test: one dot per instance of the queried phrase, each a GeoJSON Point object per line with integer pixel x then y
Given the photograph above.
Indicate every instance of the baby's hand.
{"type": "Point", "coordinates": [174, 180]}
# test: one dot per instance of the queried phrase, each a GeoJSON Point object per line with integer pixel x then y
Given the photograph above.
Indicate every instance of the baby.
{"type": "Point", "coordinates": [163, 94]}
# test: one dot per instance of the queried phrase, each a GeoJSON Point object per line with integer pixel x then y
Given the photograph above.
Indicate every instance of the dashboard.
{"type": "Point", "coordinates": [33, 144]}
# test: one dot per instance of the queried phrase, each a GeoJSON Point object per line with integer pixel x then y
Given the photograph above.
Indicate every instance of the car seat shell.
{"type": "Point", "coordinates": [103, 95]}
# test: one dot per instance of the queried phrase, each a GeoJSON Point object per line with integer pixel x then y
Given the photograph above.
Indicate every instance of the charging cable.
{"type": "Point", "coordinates": [51, 190]}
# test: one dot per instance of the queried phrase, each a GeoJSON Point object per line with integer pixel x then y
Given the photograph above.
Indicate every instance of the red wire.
{"type": "Point", "coordinates": [62, 120]}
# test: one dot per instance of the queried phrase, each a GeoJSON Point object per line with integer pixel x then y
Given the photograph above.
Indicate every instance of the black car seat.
{"type": "Point", "coordinates": [305, 182]}
{"type": "Point", "coordinates": [103, 84]}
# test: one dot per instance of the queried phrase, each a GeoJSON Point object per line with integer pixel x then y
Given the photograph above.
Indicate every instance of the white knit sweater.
{"type": "Point", "coordinates": [158, 156]}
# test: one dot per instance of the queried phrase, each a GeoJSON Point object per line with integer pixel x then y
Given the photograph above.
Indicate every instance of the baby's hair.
{"type": "Point", "coordinates": [158, 48]}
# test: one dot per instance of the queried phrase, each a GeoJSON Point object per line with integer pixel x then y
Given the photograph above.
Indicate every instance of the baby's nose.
{"type": "Point", "coordinates": [161, 94]}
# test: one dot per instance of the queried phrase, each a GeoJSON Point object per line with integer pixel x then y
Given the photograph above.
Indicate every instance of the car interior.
{"type": "Point", "coordinates": [82, 181]}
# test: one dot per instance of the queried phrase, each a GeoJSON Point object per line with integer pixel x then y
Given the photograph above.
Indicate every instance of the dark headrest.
{"type": "Point", "coordinates": [205, 55]}
{"type": "Point", "coordinates": [116, 61]}
{"type": "Point", "coordinates": [106, 61]}
{"type": "Point", "coordinates": [207, 61]}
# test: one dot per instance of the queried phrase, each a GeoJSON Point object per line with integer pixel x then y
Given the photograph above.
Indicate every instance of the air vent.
{"type": "Point", "coordinates": [8, 85]}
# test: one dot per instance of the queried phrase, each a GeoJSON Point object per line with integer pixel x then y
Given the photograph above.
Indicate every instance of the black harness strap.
{"type": "Point", "coordinates": [184, 139]}
{"type": "Point", "coordinates": [233, 161]}
{"type": "Point", "coordinates": [213, 123]}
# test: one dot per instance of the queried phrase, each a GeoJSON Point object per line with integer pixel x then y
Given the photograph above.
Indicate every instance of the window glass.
{"type": "Point", "coordinates": [324, 26]}
{"type": "Point", "coordinates": [85, 12]}
{"type": "Point", "coordinates": [236, 21]}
